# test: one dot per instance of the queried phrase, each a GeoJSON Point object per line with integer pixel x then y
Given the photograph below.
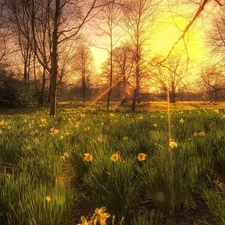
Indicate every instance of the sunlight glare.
{"type": "Point", "coordinates": [169, 33]}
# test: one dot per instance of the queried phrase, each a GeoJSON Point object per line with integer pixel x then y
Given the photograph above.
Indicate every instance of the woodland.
{"type": "Point", "coordinates": [119, 50]}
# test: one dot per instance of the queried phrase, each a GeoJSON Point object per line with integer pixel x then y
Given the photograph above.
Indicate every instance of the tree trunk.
{"type": "Point", "coordinates": [53, 96]}
{"type": "Point", "coordinates": [53, 79]}
{"type": "Point", "coordinates": [134, 101]}
{"type": "Point", "coordinates": [123, 101]}
{"type": "Point", "coordinates": [54, 60]}
{"type": "Point", "coordinates": [111, 70]}
{"type": "Point", "coordinates": [83, 77]}
{"type": "Point", "coordinates": [83, 88]}
{"type": "Point", "coordinates": [172, 93]}
{"type": "Point", "coordinates": [137, 88]}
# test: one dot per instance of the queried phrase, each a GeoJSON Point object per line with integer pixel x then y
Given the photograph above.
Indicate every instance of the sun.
{"type": "Point", "coordinates": [169, 29]}
{"type": "Point", "coordinates": [192, 44]}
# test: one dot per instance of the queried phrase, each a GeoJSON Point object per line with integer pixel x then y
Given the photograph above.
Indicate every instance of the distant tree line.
{"type": "Point", "coordinates": [14, 94]}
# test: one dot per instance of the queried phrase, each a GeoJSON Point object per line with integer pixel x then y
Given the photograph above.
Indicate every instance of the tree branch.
{"type": "Point", "coordinates": [196, 15]}
{"type": "Point", "coordinates": [218, 3]}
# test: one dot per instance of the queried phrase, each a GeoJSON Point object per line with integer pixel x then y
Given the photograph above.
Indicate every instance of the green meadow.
{"type": "Point", "coordinates": [163, 164]}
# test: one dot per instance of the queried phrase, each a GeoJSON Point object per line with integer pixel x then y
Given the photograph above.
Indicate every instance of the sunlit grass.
{"type": "Point", "coordinates": [116, 156]}
{"type": "Point", "coordinates": [149, 106]}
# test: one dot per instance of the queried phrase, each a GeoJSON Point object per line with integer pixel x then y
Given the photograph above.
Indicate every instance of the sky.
{"type": "Point", "coordinates": [170, 28]}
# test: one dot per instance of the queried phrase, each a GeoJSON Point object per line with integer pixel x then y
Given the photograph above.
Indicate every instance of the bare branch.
{"type": "Point", "coordinates": [196, 15]}
{"type": "Point", "coordinates": [218, 3]}
{"type": "Point", "coordinates": [86, 19]}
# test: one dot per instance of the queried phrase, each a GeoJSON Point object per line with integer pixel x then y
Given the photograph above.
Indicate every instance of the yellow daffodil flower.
{"type": "Point", "coordinates": [201, 134]}
{"type": "Point", "coordinates": [66, 154]}
{"type": "Point", "coordinates": [43, 120]}
{"type": "Point", "coordinates": [181, 120]}
{"type": "Point", "coordinates": [125, 138]}
{"type": "Point", "coordinates": [100, 216]}
{"type": "Point", "coordinates": [115, 156]}
{"type": "Point", "coordinates": [84, 221]}
{"type": "Point", "coordinates": [53, 131]}
{"type": "Point", "coordinates": [172, 144]}
{"type": "Point", "coordinates": [48, 198]}
{"type": "Point", "coordinates": [2, 122]}
{"type": "Point", "coordinates": [141, 156]}
{"type": "Point", "coordinates": [88, 157]}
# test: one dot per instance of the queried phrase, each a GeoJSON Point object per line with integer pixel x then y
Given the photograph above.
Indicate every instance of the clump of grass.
{"type": "Point", "coordinates": [112, 183]}
{"type": "Point", "coordinates": [26, 202]}
{"type": "Point", "coordinates": [74, 166]}
{"type": "Point", "coordinates": [146, 218]}
{"type": "Point", "coordinates": [170, 177]}
{"type": "Point", "coordinates": [214, 198]}
{"type": "Point", "coordinates": [217, 142]}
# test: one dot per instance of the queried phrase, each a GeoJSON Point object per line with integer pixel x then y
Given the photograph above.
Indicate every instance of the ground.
{"type": "Point", "coordinates": [197, 214]}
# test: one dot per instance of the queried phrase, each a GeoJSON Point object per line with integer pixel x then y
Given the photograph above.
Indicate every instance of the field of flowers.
{"type": "Point", "coordinates": [87, 167]}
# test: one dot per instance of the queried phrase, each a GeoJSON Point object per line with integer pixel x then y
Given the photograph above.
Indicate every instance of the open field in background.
{"type": "Point", "coordinates": [153, 106]}
{"type": "Point", "coordinates": [186, 105]}
{"type": "Point", "coordinates": [144, 106]}
{"type": "Point", "coordinates": [54, 170]}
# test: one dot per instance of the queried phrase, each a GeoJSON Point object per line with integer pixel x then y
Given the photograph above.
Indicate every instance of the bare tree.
{"type": "Point", "coordinates": [171, 76]}
{"type": "Point", "coordinates": [213, 76]}
{"type": "Point", "coordinates": [83, 67]}
{"type": "Point", "coordinates": [4, 32]}
{"type": "Point", "coordinates": [123, 64]}
{"type": "Point", "coordinates": [137, 12]}
{"type": "Point", "coordinates": [216, 35]}
{"type": "Point", "coordinates": [199, 9]}
{"type": "Point", "coordinates": [53, 22]}
{"type": "Point", "coordinates": [213, 83]}
{"type": "Point", "coordinates": [107, 24]}
{"type": "Point", "coordinates": [21, 29]}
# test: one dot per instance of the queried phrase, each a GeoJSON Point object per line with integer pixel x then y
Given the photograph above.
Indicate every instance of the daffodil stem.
{"type": "Point", "coordinates": [171, 160]}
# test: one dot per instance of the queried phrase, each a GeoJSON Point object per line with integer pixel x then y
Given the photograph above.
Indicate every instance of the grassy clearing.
{"type": "Point", "coordinates": [150, 106]}
{"type": "Point", "coordinates": [57, 170]}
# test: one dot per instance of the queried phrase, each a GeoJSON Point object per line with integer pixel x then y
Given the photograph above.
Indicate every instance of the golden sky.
{"type": "Point", "coordinates": [170, 27]}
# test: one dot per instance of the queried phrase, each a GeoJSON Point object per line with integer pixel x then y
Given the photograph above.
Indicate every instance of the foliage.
{"type": "Point", "coordinates": [112, 183]}
{"type": "Point", "coordinates": [28, 202]}
{"type": "Point", "coordinates": [215, 201]}
{"type": "Point", "coordinates": [145, 219]}
{"type": "Point", "coordinates": [170, 176]}
{"type": "Point", "coordinates": [11, 89]}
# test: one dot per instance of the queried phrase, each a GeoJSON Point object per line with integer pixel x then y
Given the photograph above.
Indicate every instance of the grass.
{"type": "Point", "coordinates": [44, 175]}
